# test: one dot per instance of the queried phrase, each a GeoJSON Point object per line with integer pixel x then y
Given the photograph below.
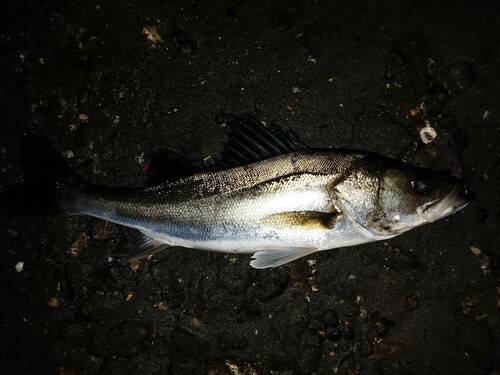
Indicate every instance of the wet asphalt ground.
{"type": "Point", "coordinates": [109, 84]}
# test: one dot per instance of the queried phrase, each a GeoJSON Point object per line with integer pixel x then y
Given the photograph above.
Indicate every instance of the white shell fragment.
{"type": "Point", "coordinates": [19, 266]}
{"type": "Point", "coordinates": [428, 133]}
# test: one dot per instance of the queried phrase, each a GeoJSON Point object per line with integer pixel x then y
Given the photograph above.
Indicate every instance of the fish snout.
{"type": "Point", "coordinates": [459, 197]}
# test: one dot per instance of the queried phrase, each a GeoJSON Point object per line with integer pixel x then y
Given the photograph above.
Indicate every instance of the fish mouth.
{"type": "Point", "coordinates": [453, 202]}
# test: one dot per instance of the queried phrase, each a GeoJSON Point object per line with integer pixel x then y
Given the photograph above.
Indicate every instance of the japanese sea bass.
{"type": "Point", "coordinates": [269, 197]}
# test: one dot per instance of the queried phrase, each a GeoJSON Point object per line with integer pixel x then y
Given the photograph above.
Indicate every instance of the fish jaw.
{"type": "Point", "coordinates": [457, 200]}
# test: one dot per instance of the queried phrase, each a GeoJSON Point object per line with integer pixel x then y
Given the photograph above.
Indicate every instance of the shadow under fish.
{"type": "Point", "coordinates": [268, 195]}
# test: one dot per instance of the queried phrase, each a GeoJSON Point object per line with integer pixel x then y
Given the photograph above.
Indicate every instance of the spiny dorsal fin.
{"type": "Point", "coordinates": [144, 246]}
{"type": "Point", "coordinates": [250, 141]}
{"type": "Point", "coordinates": [303, 219]}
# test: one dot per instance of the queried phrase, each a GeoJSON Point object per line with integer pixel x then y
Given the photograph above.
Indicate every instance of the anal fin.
{"type": "Point", "coordinates": [144, 246]}
{"type": "Point", "coordinates": [276, 258]}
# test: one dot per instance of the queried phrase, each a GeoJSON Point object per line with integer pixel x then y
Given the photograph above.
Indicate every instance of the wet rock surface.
{"type": "Point", "coordinates": [112, 84]}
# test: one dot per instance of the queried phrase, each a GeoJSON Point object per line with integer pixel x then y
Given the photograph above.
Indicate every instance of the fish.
{"type": "Point", "coordinates": [267, 195]}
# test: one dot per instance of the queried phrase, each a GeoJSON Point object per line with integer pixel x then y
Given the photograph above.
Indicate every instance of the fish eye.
{"type": "Point", "coordinates": [421, 185]}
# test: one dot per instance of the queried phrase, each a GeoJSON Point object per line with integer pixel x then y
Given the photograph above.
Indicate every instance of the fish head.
{"type": "Point", "coordinates": [384, 198]}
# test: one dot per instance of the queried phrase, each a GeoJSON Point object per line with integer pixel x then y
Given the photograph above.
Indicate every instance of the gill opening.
{"type": "Point", "coordinates": [379, 212]}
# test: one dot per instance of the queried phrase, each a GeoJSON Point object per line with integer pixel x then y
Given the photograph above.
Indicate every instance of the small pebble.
{"type": "Point", "coordinates": [152, 35]}
{"type": "Point", "coordinates": [161, 306]}
{"type": "Point", "coordinates": [68, 154]}
{"type": "Point", "coordinates": [195, 322]}
{"type": "Point", "coordinates": [312, 59]}
{"type": "Point", "coordinates": [134, 266]}
{"type": "Point", "coordinates": [475, 250]}
{"type": "Point", "coordinates": [19, 266]}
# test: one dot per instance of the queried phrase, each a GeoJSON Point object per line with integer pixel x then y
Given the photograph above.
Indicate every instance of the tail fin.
{"type": "Point", "coordinates": [47, 178]}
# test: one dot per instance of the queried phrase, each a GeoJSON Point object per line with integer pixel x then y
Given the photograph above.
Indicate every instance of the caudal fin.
{"type": "Point", "coordinates": [47, 181]}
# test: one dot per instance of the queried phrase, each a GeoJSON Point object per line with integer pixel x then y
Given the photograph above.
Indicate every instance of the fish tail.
{"type": "Point", "coordinates": [50, 186]}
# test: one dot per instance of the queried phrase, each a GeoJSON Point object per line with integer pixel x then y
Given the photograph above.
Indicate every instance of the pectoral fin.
{"type": "Point", "coordinates": [144, 246]}
{"type": "Point", "coordinates": [276, 258]}
{"type": "Point", "coordinates": [304, 219]}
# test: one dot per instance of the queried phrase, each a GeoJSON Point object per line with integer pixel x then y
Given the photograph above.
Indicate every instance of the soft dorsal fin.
{"type": "Point", "coordinates": [166, 165]}
{"type": "Point", "coordinates": [250, 141]}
